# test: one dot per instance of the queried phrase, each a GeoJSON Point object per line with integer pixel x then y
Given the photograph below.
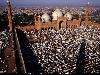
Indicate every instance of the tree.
{"type": "Point", "coordinates": [23, 19]}
{"type": "Point", "coordinates": [3, 21]}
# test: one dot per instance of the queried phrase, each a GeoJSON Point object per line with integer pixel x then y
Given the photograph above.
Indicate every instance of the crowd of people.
{"type": "Point", "coordinates": [4, 37]}
{"type": "Point", "coordinates": [58, 50]}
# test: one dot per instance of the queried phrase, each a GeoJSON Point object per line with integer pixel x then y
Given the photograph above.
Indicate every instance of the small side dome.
{"type": "Point", "coordinates": [56, 13]}
{"type": "Point", "coordinates": [68, 16]}
{"type": "Point", "coordinates": [45, 18]}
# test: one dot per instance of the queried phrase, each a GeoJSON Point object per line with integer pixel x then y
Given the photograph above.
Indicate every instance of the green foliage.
{"type": "Point", "coordinates": [75, 16]}
{"type": "Point", "coordinates": [97, 19]}
{"type": "Point", "coordinates": [18, 19]}
{"type": "Point", "coordinates": [3, 21]}
{"type": "Point", "coordinates": [23, 19]}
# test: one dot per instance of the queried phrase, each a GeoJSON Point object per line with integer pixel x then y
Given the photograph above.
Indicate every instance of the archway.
{"type": "Point", "coordinates": [60, 24]}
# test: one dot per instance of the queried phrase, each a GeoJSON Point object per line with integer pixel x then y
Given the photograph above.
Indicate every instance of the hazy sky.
{"type": "Point", "coordinates": [50, 2]}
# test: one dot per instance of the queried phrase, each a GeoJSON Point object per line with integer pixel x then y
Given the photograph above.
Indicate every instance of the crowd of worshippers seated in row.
{"type": "Point", "coordinates": [58, 50]}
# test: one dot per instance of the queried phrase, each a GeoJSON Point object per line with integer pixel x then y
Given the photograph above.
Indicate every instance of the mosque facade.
{"type": "Point", "coordinates": [58, 20]}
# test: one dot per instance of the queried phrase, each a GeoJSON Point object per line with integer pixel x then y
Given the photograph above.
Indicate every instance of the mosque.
{"type": "Point", "coordinates": [58, 20]}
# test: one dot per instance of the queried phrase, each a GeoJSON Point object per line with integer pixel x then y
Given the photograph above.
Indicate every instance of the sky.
{"type": "Point", "coordinates": [50, 2]}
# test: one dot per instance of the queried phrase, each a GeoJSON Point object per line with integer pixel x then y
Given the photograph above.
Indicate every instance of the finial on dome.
{"type": "Point", "coordinates": [88, 2]}
{"type": "Point", "coordinates": [7, 1]}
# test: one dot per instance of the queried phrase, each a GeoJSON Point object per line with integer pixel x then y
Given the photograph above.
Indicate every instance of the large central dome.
{"type": "Point", "coordinates": [56, 13]}
{"type": "Point", "coordinates": [45, 17]}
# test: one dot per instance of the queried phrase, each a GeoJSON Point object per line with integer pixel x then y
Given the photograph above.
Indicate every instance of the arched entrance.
{"type": "Point", "coordinates": [60, 24]}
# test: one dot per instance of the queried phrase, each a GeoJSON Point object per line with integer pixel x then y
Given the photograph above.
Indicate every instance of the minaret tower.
{"type": "Point", "coordinates": [9, 15]}
{"type": "Point", "coordinates": [66, 4]}
{"type": "Point", "coordinates": [87, 17]}
{"type": "Point", "coordinates": [0, 10]}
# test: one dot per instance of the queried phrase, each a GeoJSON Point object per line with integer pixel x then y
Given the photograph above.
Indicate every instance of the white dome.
{"type": "Point", "coordinates": [45, 18]}
{"type": "Point", "coordinates": [7, 1]}
{"type": "Point", "coordinates": [68, 15]}
{"type": "Point", "coordinates": [56, 13]}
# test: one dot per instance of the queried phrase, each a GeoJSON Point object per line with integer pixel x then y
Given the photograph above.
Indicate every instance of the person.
{"type": "Point", "coordinates": [0, 46]}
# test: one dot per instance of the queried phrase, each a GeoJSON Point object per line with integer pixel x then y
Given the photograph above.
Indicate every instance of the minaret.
{"type": "Point", "coordinates": [9, 15]}
{"type": "Point", "coordinates": [87, 17]}
{"type": "Point", "coordinates": [0, 10]}
{"type": "Point", "coordinates": [66, 3]}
